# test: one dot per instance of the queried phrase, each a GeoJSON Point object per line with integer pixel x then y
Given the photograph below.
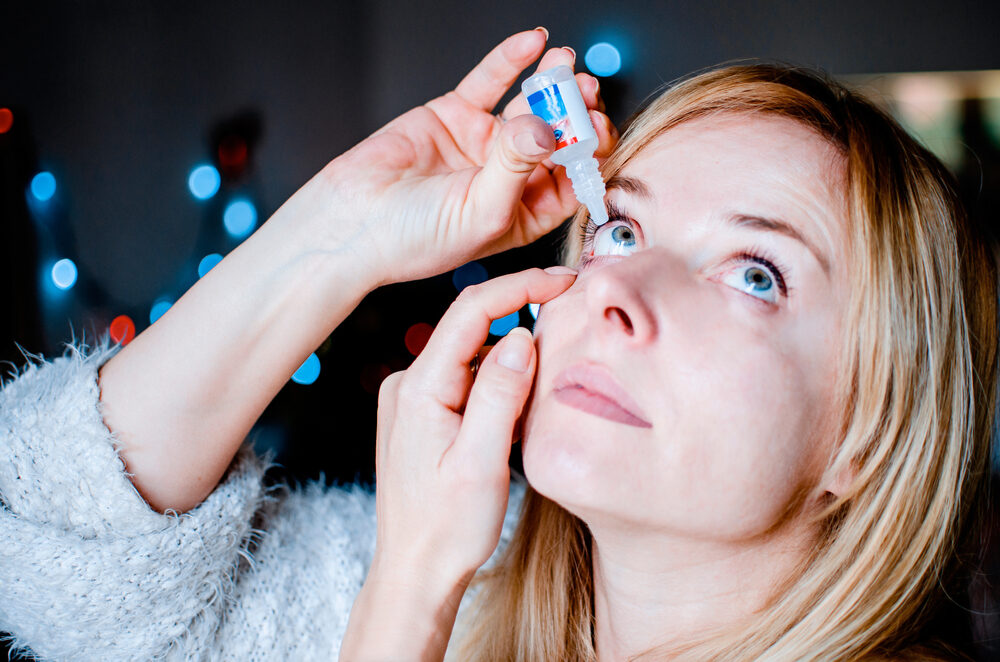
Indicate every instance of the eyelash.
{"type": "Point", "coordinates": [587, 232]}
{"type": "Point", "coordinates": [754, 254]}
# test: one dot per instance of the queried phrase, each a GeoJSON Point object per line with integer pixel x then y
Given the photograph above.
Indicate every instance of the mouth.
{"type": "Point", "coordinates": [591, 388]}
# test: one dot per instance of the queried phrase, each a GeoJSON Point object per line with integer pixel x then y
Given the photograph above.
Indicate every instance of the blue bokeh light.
{"type": "Point", "coordinates": [207, 263]}
{"type": "Point", "coordinates": [533, 307]}
{"type": "Point", "coordinates": [240, 218]}
{"type": "Point", "coordinates": [204, 182]}
{"type": "Point", "coordinates": [469, 273]}
{"type": "Point", "coordinates": [64, 273]}
{"type": "Point", "coordinates": [308, 371]}
{"type": "Point", "coordinates": [503, 326]}
{"type": "Point", "coordinates": [603, 59]}
{"type": "Point", "coordinates": [43, 186]}
{"type": "Point", "coordinates": [159, 307]}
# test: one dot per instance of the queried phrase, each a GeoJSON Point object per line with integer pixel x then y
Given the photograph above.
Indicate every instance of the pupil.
{"type": "Point", "coordinates": [623, 234]}
{"type": "Point", "coordinates": [757, 278]}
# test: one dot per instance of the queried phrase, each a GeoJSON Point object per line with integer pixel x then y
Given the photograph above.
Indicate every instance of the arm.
{"type": "Point", "coordinates": [441, 185]}
{"type": "Point", "coordinates": [182, 396]}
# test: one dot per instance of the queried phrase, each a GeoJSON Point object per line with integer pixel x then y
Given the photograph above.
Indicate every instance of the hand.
{"type": "Point", "coordinates": [448, 182]}
{"type": "Point", "coordinates": [443, 442]}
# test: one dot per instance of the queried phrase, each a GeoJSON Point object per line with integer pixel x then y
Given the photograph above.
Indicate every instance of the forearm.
{"type": "Point", "coordinates": [183, 395]}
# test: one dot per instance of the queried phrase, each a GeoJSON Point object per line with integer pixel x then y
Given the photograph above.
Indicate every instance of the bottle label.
{"type": "Point", "coordinates": [548, 104]}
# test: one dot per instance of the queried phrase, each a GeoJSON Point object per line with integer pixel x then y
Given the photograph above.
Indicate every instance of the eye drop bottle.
{"type": "Point", "coordinates": [555, 97]}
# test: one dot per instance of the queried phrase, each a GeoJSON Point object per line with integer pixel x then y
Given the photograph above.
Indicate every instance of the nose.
{"type": "Point", "coordinates": [618, 302]}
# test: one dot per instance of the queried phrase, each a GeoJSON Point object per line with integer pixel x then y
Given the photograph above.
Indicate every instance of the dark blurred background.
{"type": "Point", "coordinates": [109, 109]}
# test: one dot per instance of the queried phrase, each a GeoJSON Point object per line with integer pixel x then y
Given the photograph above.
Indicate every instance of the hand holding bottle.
{"type": "Point", "coordinates": [449, 181]}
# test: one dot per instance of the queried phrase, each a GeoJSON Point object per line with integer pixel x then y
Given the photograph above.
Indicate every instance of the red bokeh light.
{"type": "Point", "coordinates": [122, 329]}
{"type": "Point", "coordinates": [233, 153]}
{"type": "Point", "coordinates": [6, 120]}
{"type": "Point", "coordinates": [372, 376]}
{"type": "Point", "coordinates": [417, 336]}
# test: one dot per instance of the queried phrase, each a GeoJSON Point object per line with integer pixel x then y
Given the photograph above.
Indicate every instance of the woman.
{"type": "Point", "coordinates": [754, 425]}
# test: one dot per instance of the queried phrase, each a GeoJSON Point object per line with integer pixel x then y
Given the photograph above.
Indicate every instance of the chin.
{"type": "Point", "coordinates": [562, 464]}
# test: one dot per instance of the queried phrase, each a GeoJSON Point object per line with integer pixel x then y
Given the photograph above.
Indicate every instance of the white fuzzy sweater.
{"type": "Point", "coordinates": [89, 572]}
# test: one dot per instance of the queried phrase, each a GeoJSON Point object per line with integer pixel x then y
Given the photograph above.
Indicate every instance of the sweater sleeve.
{"type": "Point", "coordinates": [88, 571]}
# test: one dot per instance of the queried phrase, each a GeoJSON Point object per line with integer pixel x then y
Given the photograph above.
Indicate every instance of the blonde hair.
{"type": "Point", "coordinates": [918, 378]}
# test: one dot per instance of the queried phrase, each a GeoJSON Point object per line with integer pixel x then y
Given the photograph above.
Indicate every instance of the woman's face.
{"type": "Point", "coordinates": [709, 308]}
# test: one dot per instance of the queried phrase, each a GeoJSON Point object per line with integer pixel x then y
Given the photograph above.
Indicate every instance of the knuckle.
{"type": "Point", "coordinates": [389, 388]}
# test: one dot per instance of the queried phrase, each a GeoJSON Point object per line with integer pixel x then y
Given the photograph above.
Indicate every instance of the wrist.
{"type": "Point", "coordinates": [399, 615]}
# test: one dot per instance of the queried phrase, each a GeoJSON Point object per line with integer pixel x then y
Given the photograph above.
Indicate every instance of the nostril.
{"type": "Point", "coordinates": [619, 317]}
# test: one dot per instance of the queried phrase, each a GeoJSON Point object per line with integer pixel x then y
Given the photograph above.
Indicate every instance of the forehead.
{"type": "Point", "coordinates": [754, 164]}
{"type": "Point", "coordinates": [765, 144]}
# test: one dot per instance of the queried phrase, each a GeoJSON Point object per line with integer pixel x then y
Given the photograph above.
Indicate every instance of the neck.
{"type": "Point", "coordinates": [652, 589]}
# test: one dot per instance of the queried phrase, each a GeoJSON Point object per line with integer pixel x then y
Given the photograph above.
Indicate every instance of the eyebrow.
{"type": "Point", "coordinates": [780, 227]}
{"type": "Point", "coordinates": [631, 185]}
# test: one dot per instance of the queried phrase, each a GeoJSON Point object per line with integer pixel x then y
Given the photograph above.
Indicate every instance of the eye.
{"type": "Point", "coordinates": [757, 279]}
{"type": "Point", "coordinates": [615, 237]}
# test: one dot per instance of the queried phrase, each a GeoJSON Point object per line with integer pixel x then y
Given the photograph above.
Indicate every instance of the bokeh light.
{"type": "Point", "coordinates": [240, 218]}
{"type": "Point", "coordinates": [122, 329]}
{"type": "Point", "coordinates": [533, 308]}
{"type": "Point", "coordinates": [43, 186]}
{"type": "Point", "coordinates": [6, 120]}
{"type": "Point", "coordinates": [207, 263]}
{"type": "Point", "coordinates": [64, 273]}
{"type": "Point", "coordinates": [417, 336]}
{"type": "Point", "coordinates": [204, 182]}
{"type": "Point", "coordinates": [503, 326]}
{"type": "Point", "coordinates": [308, 371]}
{"type": "Point", "coordinates": [469, 273]}
{"type": "Point", "coordinates": [603, 59]}
{"type": "Point", "coordinates": [159, 307]}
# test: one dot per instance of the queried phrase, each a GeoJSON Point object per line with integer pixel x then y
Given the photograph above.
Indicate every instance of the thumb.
{"type": "Point", "coordinates": [502, 385]}
{"type": "Point", "coordinates": [524, 142]}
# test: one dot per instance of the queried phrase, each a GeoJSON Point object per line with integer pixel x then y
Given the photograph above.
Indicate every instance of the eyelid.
{"type": "Point", "coordinates": [615, 214]}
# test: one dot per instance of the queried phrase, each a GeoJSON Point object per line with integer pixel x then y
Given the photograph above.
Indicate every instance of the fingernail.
{"type": "Point", "coordinates": [526, 144]}
{"type": "Point", "coordinates": [515, 350]}
{"type": "Point", "coordinates": [571, 52]}
{"type": "Point", "coordinates": [543, 31]}
{"type": "Point", "coordinates": [560, 270]}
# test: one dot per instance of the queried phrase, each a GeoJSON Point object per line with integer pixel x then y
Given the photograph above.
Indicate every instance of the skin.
{"type": "Point", "coordinates": [688, 516]}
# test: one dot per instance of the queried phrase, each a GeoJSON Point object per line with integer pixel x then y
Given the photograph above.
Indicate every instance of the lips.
{"type": "Point", "coordinates": [591, 388]}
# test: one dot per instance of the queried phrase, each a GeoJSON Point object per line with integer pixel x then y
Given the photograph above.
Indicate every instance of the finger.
{"type": "Point", "coordinates": [495, 191]}
{"type": "Point", "coordinates": [486, 84]}
{"type": "Point", "coordinates": [552, 58]}
{"type": "Point", "coordinates": [497, 399]}
{"type": "Point", "coordinates": [607, 134]}
{"type": "Point", "coordinates": [442, 368]}
{"type": "Point", "coordinates": [590, 89]}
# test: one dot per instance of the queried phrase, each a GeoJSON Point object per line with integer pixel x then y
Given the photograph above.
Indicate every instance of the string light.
{"type": "Point", "coordinates": [240, 218]}
{"type": "Point", "coordinates": [204, 182]}
{"type": "Point", "coordinates": [64, 273]}
{"type": "Point", "coordinates": [207, 263]}
{"type": "Point", "coordinates": [122, 329]}
{"type": "Point", "coordinates": [43, 186]}
{"type": "Point", "coordinates": [469, 273]}
{"type": "Point", "coordinates": [308, 371]}
{"type": "Point", "coordinates": [503, 326]}
{"type": "Point", "coordinates": [603, 59]}
{"type": "Point", "coordinates": [159, 307]}
{"type": "Point", "coordinates": [417, 336]}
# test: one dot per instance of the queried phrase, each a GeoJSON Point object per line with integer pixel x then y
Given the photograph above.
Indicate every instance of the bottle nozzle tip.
{"type": "Point", "coordinates": [598, 213]}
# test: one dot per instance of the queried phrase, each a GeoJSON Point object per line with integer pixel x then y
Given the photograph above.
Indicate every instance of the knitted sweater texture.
{"type": "Point", "coordinates": [88, 571]}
